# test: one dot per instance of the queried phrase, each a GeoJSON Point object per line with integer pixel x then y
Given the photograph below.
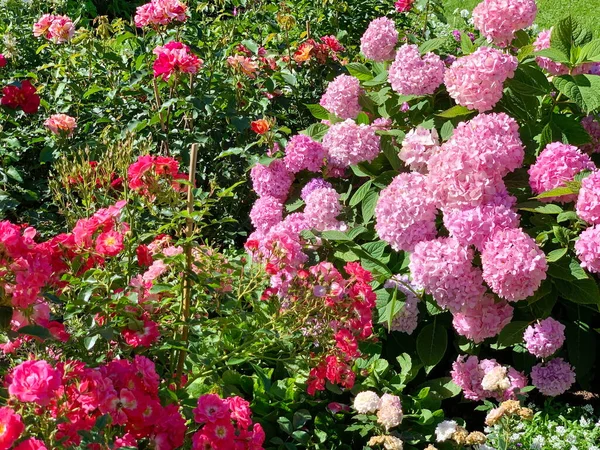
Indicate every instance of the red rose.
{"type": "Point", "coordinates": [23, 96]}
{"type": "Point", "coordinates": [260, 126]}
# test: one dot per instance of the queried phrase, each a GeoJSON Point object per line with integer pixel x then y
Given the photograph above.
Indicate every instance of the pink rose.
{"type": "Point", "coordinates": [210, 408]}
{"type": "Point", "coordinates": [11, 427]}
{"type": "Point", "coordinates": [31, 444]}
{"type": "Point", "coordinates": [34, 381]}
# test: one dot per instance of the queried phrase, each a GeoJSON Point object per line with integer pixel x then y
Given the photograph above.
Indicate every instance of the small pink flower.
{"type": "Point", "coordinates": [174, 58]}
{"type": "Point", "coordinates": [240, 411]}
{"type": "Point", "coordinates": [31, 444]}
{"type": "Point", "coordinates": [41, 27]}
{"type": "Point", "coordinates": [210, 408]}
{"type": "Point", "coordinates": [403, 5]}
{"type": "Point", "coordinates": [61, 124]}
{"type": "Point", "coordinates": [34, 381]}
{"type": "Point", "coordinates": [109, 243]}
{"type": "Point", "coordinates": [11, 427]}
{"type": "Point", "coordinates": [62, 29]}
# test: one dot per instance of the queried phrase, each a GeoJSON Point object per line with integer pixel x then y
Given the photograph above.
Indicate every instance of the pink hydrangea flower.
{"type": "Point", "coordinates": [418, 146]}
{"type": "Point", "coordinates": [381, 124]}
{"type": "Point", "coordinates": [553, 378]}
{"type": "Point", "coordinates": [545, 337]}
{"type": "Point", "coordinates": [483, 320]}
{"type": "Point", "coordinates": [160, 12]}
{"type": "Point", "coordinates": [341, 97]}
{"type": "Point", "coordinates": [322, 208]}
{"type": "Point", "coordinates": [304, 153]}
{"type": "Point", "coordinates": [591, 125]}
{"type": "Point", "coordinates": [498, 20]}
{"type": "Point", "coordinates": [61, 124]}
{"type": "Point", "coordinates": [406, 320]}
{"type": "Point", "coordinates": [542, 43]}
{"type": "Point", "coordinates": [413, 74]}
{"type": "Point", "coordinates": [587, 249]}
{"type": "Point", "coordinates": [11, 427]}
{"type": "Point", "coordinates": [474, 226]}
{"type": "Point", "coordinates": [266, 213]}
{"type": "Point", "coordinates": [513, 264]}
{"type": "Point", "coordinates": [477, 80]}
{"type": "Point", "coordinates": [405, 212]}
{"type": "Point", "coordinates": [556, 164]}
{"type": "Point", "coordinates": [444, 268]}
{"type": "Point", "coordinates": [348, 143]}
{"type": "Point", "coordinates": [379, 41]}
{"type": "Point", "coordinates": [313, 185]}
{"type": "Point", "coordinates": [273, 180]}
{"type": "Point", "coordinates": [34, 381]}
{"type": "Point", "coordinates": [174, 58]}
{"type": "Point", "coordinates": [389, 414]}
{"type": "Point", "coordinates": [588, 201]}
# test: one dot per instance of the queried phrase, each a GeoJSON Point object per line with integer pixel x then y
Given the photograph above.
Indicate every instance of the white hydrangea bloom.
{"type": "Point", "coordinates": [445, 430]}
{"type": "Point", "coordinates": [367, 402]}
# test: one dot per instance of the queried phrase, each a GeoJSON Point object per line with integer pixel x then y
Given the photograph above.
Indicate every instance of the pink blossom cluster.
{"type": "Point", "coordinates": [591, 125]}
{"type": "Point", "coordinates": [513, 264]}
{"type": "Point", "coordinates": [413, 74]}
{"type": "Point", "coordinates": [266, 213]}
{"type": "Point", "coordinates": [174, 58]}
{"type": "Point", "coordinates": [304, 153]}
{"type": "Point", "coordinates": [468, 373]}
{"type": "Point", "coordinates": [313, 185]}
{"type": "Point", "coordinates": [405, 212]}
{"type": "Point", "coordinates": [61, 124]}
{"type": "Point", "coordinates": [390, 413]}
{"type": "Point", "coordinates": [556, 164]}
{"type": "Point", "coordinates": [403, 5]}
{"type": "Point", "coordinates": [348, 143]}
{"type": "Point", "coordinates": [379, 41]}
{"type": "Point", "coordinates": [341, 97]}
{"type": "Point", "coordinates": [58, 29]}
{"type": "Point", "coordinates": [76, 396]}
{"type": "Point", "coordinates": [322, 208]}
{"type": "Point", "coordinates": [553, 378]}
{"type": "Point", "coordinates": [226, 423]}
{"type": "Point", "coordinates": [482, 320]}
{"type": "Point", "coordinates": [588, 201]}
{"type": "Point", "coordinates": [498, 20]}
{"type": "Point", "coordinates": [545, 337]}
{"type": "Point", "coordinates": [160, 12]}
{"type": "Point", "coordinates": [554, 68]}
{"type": "Point", "coordinates": [587, 249]}
{"type": "Point", "coordinates": [12, 428]}
{"type": "Point", "coordinates": [477, 80]}
{"type": "Point", "coordinates": [152, 176]}
{"type": "Point", "coordinates": [405, 320]}
{"type": "Point", "coordinates": [418, 146]}
{"type": "Point", "coordinates": [273, 180]}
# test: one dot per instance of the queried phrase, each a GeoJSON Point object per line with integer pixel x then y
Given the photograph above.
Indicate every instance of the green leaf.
{"type": "Point", "coordinates": [447, 130]}
{"type": "Point", "coordinates": [556, 192]}
{"type": "Point", "coordinates": [36, 331]}
{"type": "Point", "coordinates": [300, 418]}
{"type": "Point", "coordinates": [360, 193]}
{"type": "Point", "coordinates": [441, 388]}
{"type": "Point", "coordinates": [584, 90]}
{"type": "Point", "coordinates": [359, 71]}
{"type": "Point", "coordinates": [581, 345]}
{"type": "Point", "coordinates": [557, 254]}
{"type": "Point", "coordinates": [590, 52]}
{"type": "Point", "coordinates": [431, 45]}
{"type": "Point", "coordinates": [529, 80]}
{"type": "Point", "coordinates": [316, 131]}
{"type": "Point", "coordinates": [512, 334]}
{"type": "Point", "coordinates": [466, 45]}
{"type": "Point", "coordinates": [583, 292]}
{"type": "Point", "coordinates": [568, 33]}
{"type": "Point", "coordinates": [554, 54]}
{"type": "Point", "coordinates": [431, 345]}
{"type": "Point", "coordinates": [456, 111]}
{"type": "Point", "coordinates": [362, 119]}
{"type": "Point", "coordinates": [390, 152]}
{"type": "Point", "coordinates": [250, 45]}
{"type": "Point", "coordinates": [14, 174]}
{"type": "Point", "coordinates": [368, 206]}
{"type": "Point", "coordinates": [539, 207]}
{"type": "Point", "coordinates": [335, 235]}
{"type": "Point", "coordinates": [318, 111]}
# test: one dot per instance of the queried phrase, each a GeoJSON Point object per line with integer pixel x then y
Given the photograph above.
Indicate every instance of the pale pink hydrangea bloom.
{"type": "Point", "coordinates": [498, 20]}
{"type": "Point", "coordinates": [406, 320]}
{"type": "Point", "coordinates": [513, 264]}
{"type": "Point", "coordinates": [274, 180]}
{"type": "Point", "coordinates": [341, 97]}
{"type": "Point", "coordinates": [477, 80]}
{"type": "Point", "coordinates": [313, 185]}
{"type": "Point", "coordinates": [588, 200]}
{"type": "Point", "coordinates": [293, 223]}
{"type": "Point", "coordinates": [544, 338]}
{"type": "Point", "coordinates": [556, 164]}
{"type": "Point", "coordinates": [542, 43]}
{"type": "Point", "coordinates": [390, 411]}
{"type": "Point", "coordinates": [474, 226]}
{"type": "Point", "coordinates": [413, 74]}
{"type": "Point", "coordinates": [61, 124]}
{"type": "Point", "coordinates": [553, 378]}
{"type": "Point", "coordinates": [266, 213]}
{"type": "Point", "coordinates": [348, 143]}
{"type": "Point", "coordinates": [483, 320]}
{"type": "Point", "coordinates": [587, 249]}
{"type": "Point", "coordinates": [379, 41]}
{"type": "Point", "coordinates": [366, 402]}
{"type": "Point", "coordinates": [405, 212]}
{"type": "Point", "coordinates": [444, 268]}
{"type": "Point", "coordinates": [381, 124]}
{"type": "Point", "coordinates": [591, 125]}
{"type": "Point", "coordinates": [302, 152]}
{"type": "Point", "coordinates": [160, 12]}
{"type": "Point", "coordinates": [418, 146]}
{"type": "Point", "coordinates": [322, 207]}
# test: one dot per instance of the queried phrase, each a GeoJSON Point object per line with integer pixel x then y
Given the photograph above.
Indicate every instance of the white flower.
{"type": "Point", "coordinates": [390, 411]}
{"type": "Point", "coordinates": [445, 430]}
{"type": "Point", "coordinates": [537, 443]}
{"type": "Point", "coordinates": [465, 13]}
{"type": "Point", "coordinates": [560, 430]}
{"type": "Point", "coordinates": [367, 402]}
{"type": "Point", "coordinates": [588, 408]}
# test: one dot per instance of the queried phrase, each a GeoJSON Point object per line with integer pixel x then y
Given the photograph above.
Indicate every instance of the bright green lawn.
{"type": "Point", "coordinates": [549, 11]}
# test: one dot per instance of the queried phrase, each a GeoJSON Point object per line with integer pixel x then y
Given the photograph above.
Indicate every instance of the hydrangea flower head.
{"type": "Point", "coordinates": [366, 402]}
{"type": "Point", "coordinates": [483, 320]}
{"type": "Point", "coordinates": [413, 74]}
{"type": "Point", "coordinates": [273, 180]}
{"type": "Point", "coordinates": [379, 41]}
{"type": "Point", "coordinates": [498, 20]}
{"type": "Point", "coordinates": [513, 264]}
{"type": "Point", "coordinates": [348, 143]}
{"type": "Point", "coordinates": [556, 164]}
{"type": "Point", "coordinates": [390, 411]}
{"type": "Point", "coordinates": [406, 320]}
{"type": "Point", "coordinates": [313, 185]}
{"type": "Point", "coordinates": [553, 378]}
{"type": "Point", "coordinates": [476, 80]}
{"type": "Point", "coordinates": [587, 249]}
{"type": "Point", "coordinates": [588, 200]}
{"type": "Point", "coordinates": [266, 213]}
{"type": "Point", "coordinates": [544, 338]}
{"type": "Point", "coordinates": [322, 208]}
{"type": "Point", "coordinates": [341, 97]}
{"type": "Point", "coordinates": [405, 213]}
{"type": "Point", "coordinates": [304, 153]}
{"type": "Point", "coordinates": [418, 146]}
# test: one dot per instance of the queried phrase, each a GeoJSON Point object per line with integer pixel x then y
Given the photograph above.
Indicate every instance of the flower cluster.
{"type": "Point", "coordinates": [555, 165]}
{"type": "Point", "coordinates": [553, 378]}
{"type": "Point", "coordinates": [22, 95]}
{"type": "Point", "coordinates": [388, 408]}
{"type": "Point", "coordinates": [418, 146]}
{"type": "Point", "coordinates": [405, 320]}
{"type": "Point", "coordinates": [226, 423]}
{"type": "Point", "coordinates": [348, 143]}
{"type": "Point", "coordinates": [329, 47]}
{"type": "Point", "coordinates": [380, 39]}
{"type": "Point", "coordinates": [544, 338]}
{"type": "Point", "coordinates": [588, 201]}
{"type": "Point", "coordinates": [469, 373]}
{"type": "Point", "coordinates": [403, 5]}
{"type": "Point", "coordinates": [160, 12]}
{"type": "Point", "coordinates": [249, 64]}
{"type": "Point", "coordinates": [150, 176]}
{"type": "Point", "coordinates": [58, 29]}
{"type": "Point", "coordinates": [341, 97]}
{"type": "Point", "coordinates": [61, 124]}
{"type": "Point", "coordinates": [273, 180]}
{"type": "Point", "coordinates": [322, 208]}
{"type": "Point", "coordinates": [413, 74]}
{"type": "Point", "coordinates": [587, 249]}
{"type": "Point", "coordinates": [476, 80]}
{"type": "Point", "coordinates": [498, 20]}
{"type": "Point", "coordinates": [482, 320]}
{"type": "Point", "coordinates": [174, 58]}
{"type": "Point", "coordinates": [304, 153]}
